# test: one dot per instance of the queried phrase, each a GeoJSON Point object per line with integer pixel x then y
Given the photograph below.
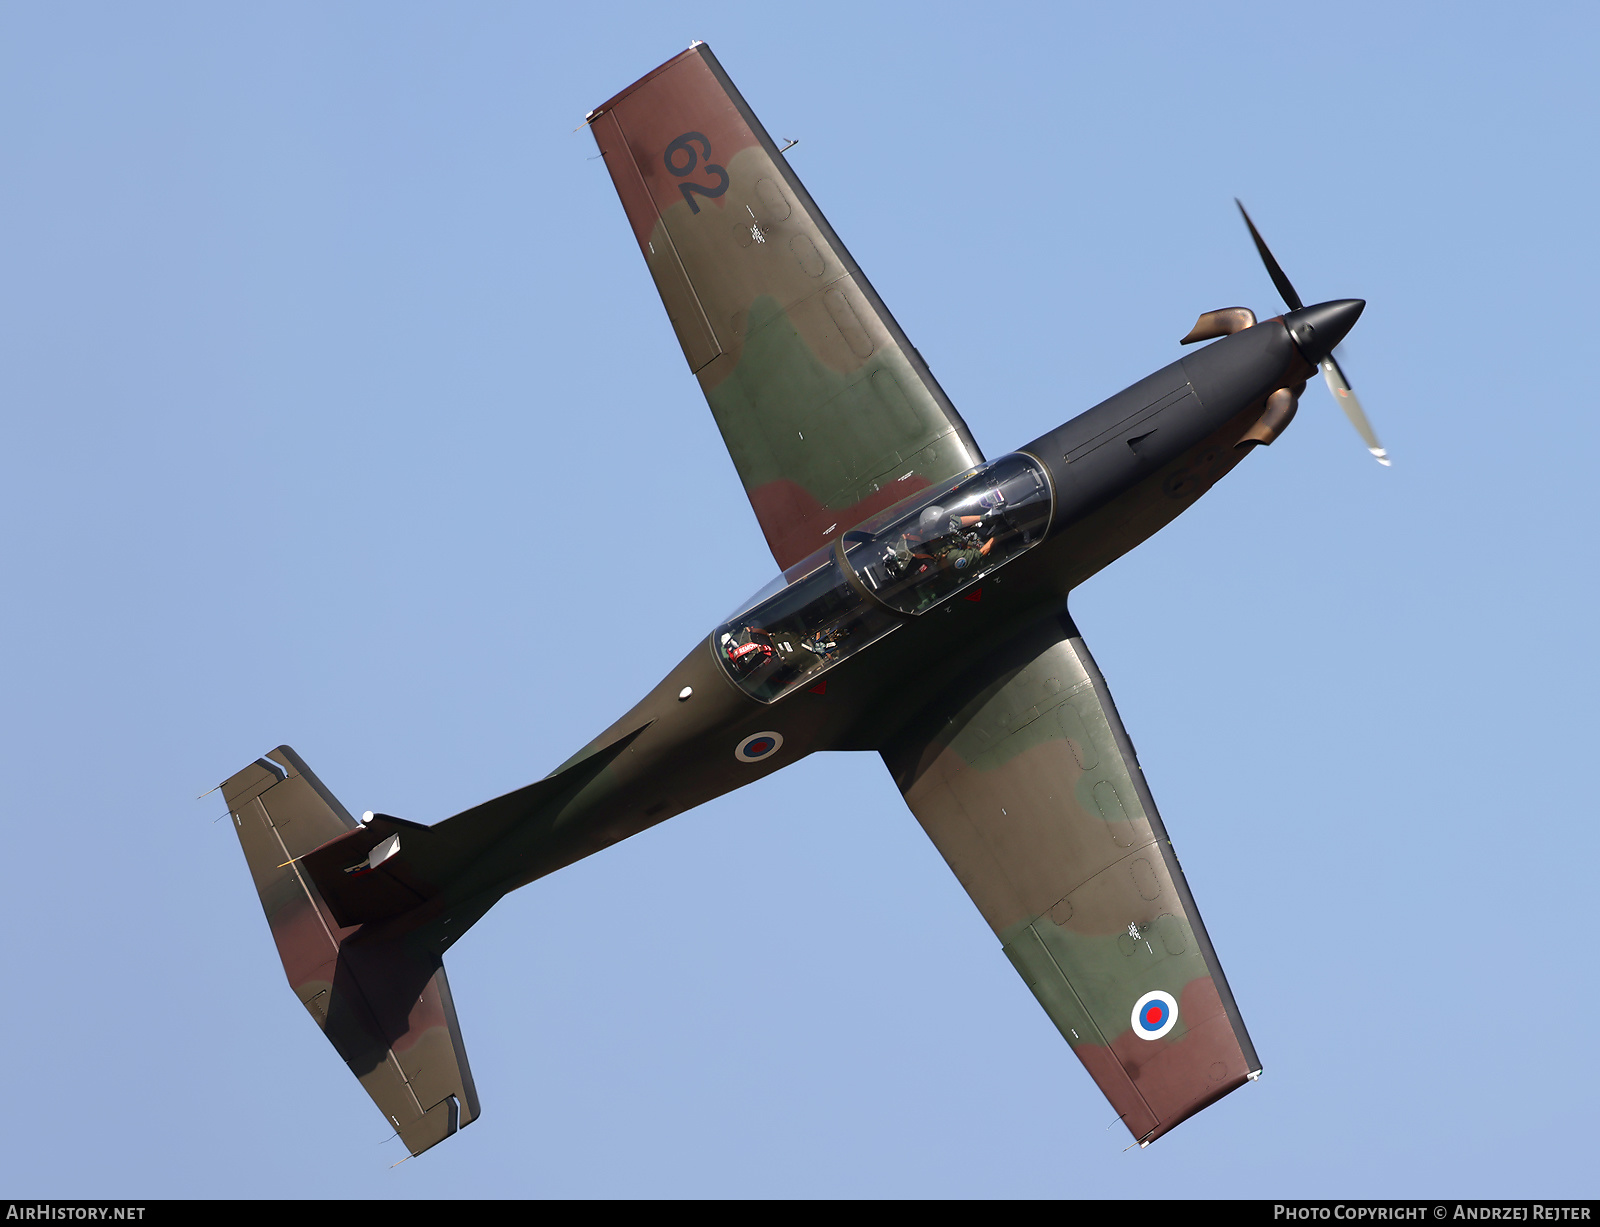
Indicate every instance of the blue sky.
{"type": "Point", "coordinates": [339, 410]}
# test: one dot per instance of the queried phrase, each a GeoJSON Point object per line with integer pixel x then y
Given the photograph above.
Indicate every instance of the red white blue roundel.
{"type": "Point", "coordinates": [758, 746]}
{"type": "Point", "coordinates": [1154, 1015]}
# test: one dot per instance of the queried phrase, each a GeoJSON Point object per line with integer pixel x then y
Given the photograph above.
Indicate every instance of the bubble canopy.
{"type": "Point", "coordinates": [898, 564]}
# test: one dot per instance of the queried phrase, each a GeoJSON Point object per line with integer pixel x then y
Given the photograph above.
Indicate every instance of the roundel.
{"type": "Point", "coordinates": [758, 746]}
{"type": "Point", "coordinates": [1154, 1015]}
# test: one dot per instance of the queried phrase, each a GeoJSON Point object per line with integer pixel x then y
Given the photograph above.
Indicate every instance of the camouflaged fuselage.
{"type": "Point", "coordinates": [984, 702]}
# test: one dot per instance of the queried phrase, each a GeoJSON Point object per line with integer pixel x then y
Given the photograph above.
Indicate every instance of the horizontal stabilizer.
{"type": "Point", "coordinates": [379, 993]}
{"type": "Point", "coordinates": [384, 1005]}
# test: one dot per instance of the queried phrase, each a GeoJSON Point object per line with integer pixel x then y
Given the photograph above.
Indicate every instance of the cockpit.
{"type": "Point", "coordinates": [914, 558]}
{"type": "Point", "coordinates": [898, 564]}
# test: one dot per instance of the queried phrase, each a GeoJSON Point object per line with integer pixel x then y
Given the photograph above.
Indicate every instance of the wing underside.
{"type": "Point", "coordinates": [1025, 780]}
{"type": "Point", "coordinates": [828, 411]}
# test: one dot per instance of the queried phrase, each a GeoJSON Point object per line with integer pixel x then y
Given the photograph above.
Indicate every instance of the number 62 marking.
{"type": "Point", "coordinates": [681, 158]}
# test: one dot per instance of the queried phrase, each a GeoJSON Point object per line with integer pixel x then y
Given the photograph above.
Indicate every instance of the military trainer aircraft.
{"type": "Point", "coordinates": [921, 611]}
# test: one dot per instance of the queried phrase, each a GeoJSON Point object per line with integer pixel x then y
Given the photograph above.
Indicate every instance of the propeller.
{"type": "Point", "coordinates": [1337, 383]}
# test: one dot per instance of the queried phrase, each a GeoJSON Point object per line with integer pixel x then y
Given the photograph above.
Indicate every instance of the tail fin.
{"type": "Point", "coordinates": [385, 1005]}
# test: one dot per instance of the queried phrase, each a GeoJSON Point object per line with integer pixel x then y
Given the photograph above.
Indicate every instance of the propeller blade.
{"type": "Point", "coordinates": [1340, 387]}
{"type": "Point", "coordinates": [1278, 279]}
{"type": "Point", "coordinates": [1337, 383]}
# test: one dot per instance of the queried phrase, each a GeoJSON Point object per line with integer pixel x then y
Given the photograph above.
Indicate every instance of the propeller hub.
{"type": "Point", "coordinates": [1317, 329]}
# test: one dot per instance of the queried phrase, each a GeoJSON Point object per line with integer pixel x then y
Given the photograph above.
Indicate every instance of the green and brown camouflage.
{"type": "Point", "coordinates": [1023, 778]}
{"type": "Point", "coordinates": [828, 411]}
{"type": "Point", "coordinates": [979, 694]}
{"type": "Point", "coordinates": [384, 1005]}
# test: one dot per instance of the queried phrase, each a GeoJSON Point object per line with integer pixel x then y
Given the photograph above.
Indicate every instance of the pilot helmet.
{"type": "Point", "coordinates": [931, 519]}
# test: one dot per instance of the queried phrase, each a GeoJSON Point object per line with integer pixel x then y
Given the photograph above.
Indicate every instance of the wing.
{"type": "Point", "coordinates": [1025, 780]}
{"type": "Point", "coordinates": [829, 413]}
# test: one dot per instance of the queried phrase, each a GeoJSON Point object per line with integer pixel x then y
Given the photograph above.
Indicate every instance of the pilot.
{"type": "Point", "coordinates": [941, 540]}
{"type": "Point", "coordinates": [960, 552]}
